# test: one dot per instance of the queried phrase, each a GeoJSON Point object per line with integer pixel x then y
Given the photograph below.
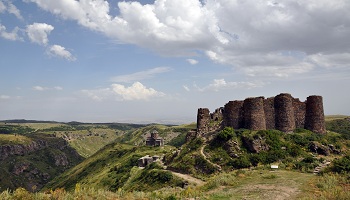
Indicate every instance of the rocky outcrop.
{"type": "Point", "coordinates": [282, 112]}
{"type": "Point", "coordinates": [232, 148]}
{"type": "Point", "coordinates": [255, 145]}
{"type": "Point", "coordinates": [20, 167]}
{"type": "Point", "coordinates": [319, 148]}
{"type": "Point", "coordinates": [32, 165]}
{"type": "Point", "coordinates": [21, 149]}
{"type": "Point", "coordinates": [61, 160]}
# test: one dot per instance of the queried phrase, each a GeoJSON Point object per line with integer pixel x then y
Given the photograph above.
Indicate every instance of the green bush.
{"type": "Point", "coordinates": [226, 134]}
{"type": "Point", "coordinates": [178, 141]}
{"type": "Point", "coordinates": [342, 165]}
{"type": "Point", "coordinates": [240, 162]}
{"type": "Point", "coordinates": [341, 126]}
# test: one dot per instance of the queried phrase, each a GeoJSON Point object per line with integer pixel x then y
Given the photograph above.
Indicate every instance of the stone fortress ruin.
{"type": "Point", "coordinates": [282, 112]}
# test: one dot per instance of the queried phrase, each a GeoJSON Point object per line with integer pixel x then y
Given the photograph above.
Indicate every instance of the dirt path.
{"type": "Point", "coordinates": [205, 157]}
{"type": "Point", "coordinates": [189, 178]}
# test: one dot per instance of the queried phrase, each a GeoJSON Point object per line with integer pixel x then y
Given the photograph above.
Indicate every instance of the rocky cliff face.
{"type": "Point", "coordinates": [33, 165]}
{"type": "Point", "coordinates": [21, 149]}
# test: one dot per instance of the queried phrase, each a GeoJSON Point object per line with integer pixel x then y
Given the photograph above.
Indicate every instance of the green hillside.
{"type": "Point", "coordinates": [230, 164]}
{"type": "Point", "coordinates": [115, 167]}
{"type": "Point", "coordinates": [172, 135]}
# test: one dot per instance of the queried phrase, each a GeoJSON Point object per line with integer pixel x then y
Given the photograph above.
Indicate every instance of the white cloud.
{"type": "Point", "coordinates": [38, 33]}
{"type": "Point", "coordinates": [2, 7]}
{"type": "Point", "coordinates": [59, 51]}
{"type": "Point", "coordinates": [58, 88]}
{"type": "Point", "coordinates": [138, 76]}
{"type": "Point", "coordinates": [40, 88]}
{"type": "Point", "coordinates": [331, 61]}
{"type": "Point", "coordinates": [186, 88]}
{"type": "Point", "coordinates": [13, 35]}
{"type": "Point", "coordinates": [236, 33]}
{"type": "Point", "coordinates": [221, 84]}
{"type": "Point", "coordinates": [192, 61]}
{"type": "Point", "coordinates": [98, 94]}
{"type": "Point", "coordinates": [14, 10]}
{"type": "Point", "coordinates": [136, 91]}
{"type": "Point", "coordinates": [4, 97]}
{"type": "Point", "coordinates": [10, 8]}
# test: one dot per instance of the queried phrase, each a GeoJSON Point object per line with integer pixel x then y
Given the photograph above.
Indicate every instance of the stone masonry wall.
{"type": "Point", "coordinates": [282, 112]}
{"type": "Point", "coordinates": [254, 116]}
{"type": "Point", "coordinates": [203, 120]}
{"type": "Point", "coordinates": [314, 118]}
{"type": "Point", "coordinates": [232, 113]}
{"type": "Point", "coordinates": [269, 109]}
{"type": "Point", "coordinates": [299, 113]}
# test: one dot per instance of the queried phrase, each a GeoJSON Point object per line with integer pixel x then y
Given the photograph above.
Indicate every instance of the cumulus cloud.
{"type": "Point", "coordinates": [59, 51]}
{"type": "Point", "coordinates": [138, 76]}
{"type": "Point", "coordinates": [38, 33]}
{"type": "Point", "coordinates": [192, 61]}
{"type": "Point", "coordinates": [221, 84]}
{"type": "Point", "coordinates": [136, 91]}
{"type": "Point", "coordinates": [246, 35]}
{"type": "Point", "coordinates": [13, 35]}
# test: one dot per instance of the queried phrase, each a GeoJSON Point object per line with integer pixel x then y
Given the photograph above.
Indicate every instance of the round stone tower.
{"type": "Point", "coordinates": [284, 112]}
{"type": "Point", "coordinates": [232, 114]}
{"type": "Point", "coordinates": [254, 116]}
{"type": "Point", "coordinates": [203, 120]}
{"type": "Point", "coordinates": [314, 117]}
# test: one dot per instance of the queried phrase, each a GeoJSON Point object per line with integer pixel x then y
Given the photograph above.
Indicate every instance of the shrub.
{"type": "Point", "coordinates": [241, 162]}
{"type": "Point", "coordinates": [226, 134]}
{"type": "Point", "coordinates": [178, 141]}
{"type": "Point", "coordinates": [342, 165]}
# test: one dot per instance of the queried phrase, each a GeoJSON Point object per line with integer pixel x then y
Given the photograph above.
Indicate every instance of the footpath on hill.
{"type": "Point", "coordinates": [188, 178]}
{"type": "Point", "coordinates": [205, 157]}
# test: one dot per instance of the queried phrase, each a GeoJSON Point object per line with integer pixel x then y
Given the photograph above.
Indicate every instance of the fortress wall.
{"type": "Point", "coordinates": [284, 112]}
{"type": "Point", "coordinates": [269, 110]}
{"type": "Point", "coordinates": [232, 114]}
{"type": "Point", "coordinates": [203, 120]}
{"type": "Point", "coordinates": [314, 117]}
{"type": "Point", "coordinates": [217, 115]}
{"type": "Point", "coordinates": [299, 113]}
{"type": "Point", "coordinates": [254, 116]}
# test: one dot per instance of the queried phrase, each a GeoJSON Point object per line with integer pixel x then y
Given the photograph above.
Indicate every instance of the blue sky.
{"type": "Point", "coordinates": [158, 61]}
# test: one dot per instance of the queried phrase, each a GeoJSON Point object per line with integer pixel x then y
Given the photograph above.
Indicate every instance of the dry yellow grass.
{"type": "Point", "coordinates": [13, 139]}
